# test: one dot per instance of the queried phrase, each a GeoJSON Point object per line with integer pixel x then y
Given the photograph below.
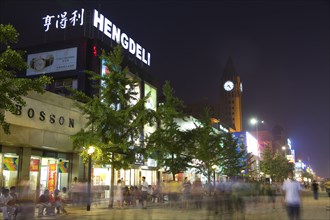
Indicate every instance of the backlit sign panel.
{"type": "Point", "coordinates": [249, 141]}
{"type": "Point", "coordinates": [151, 103]}
{"type": "Point", "coordinates": [52, 61]}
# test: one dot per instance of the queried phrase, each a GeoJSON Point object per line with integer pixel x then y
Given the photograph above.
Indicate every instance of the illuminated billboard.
{"type": "Point", "coordinates": [249, 141]}
{"type": "Point", "coordinates": [52, 61]}
{"type": "Point", "coordinates": [151, 103]}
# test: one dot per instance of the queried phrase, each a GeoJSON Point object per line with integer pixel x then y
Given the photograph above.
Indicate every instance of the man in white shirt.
{"type": "Point", "coordinates": [144, 192]}
{"type": "Point", "coordinates": [292, 191]}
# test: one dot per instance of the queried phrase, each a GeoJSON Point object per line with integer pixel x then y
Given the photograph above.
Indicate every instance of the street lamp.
{"type": "Point", "coordinates": [284, 148]}
{"type": "Point", "coordinates": [214, 167]}
{"type": "Point", "coordinates": [90, 151]}
{"type": "Point", "coordinates": [255, 122]}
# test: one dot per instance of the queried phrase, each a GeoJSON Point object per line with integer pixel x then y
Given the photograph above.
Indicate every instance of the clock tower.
{"type": "Point", "coordinates": [231, 97]}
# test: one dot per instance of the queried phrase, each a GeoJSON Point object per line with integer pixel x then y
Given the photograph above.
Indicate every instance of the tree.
{"type": "Point", "coordinates": [274, 164]}
{"type": "Point", "coordinates": [235, 157]}
{"type": "Point", "coordinates": [208, 146]}
{"type": "Point", "coordinates": [12, 89]}
{"type": "Point", "coordinates": [168, 144]}
{"type": "Point", "coordinates": [115, 117]}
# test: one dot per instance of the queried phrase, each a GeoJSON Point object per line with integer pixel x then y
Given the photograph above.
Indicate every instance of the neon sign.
{"type": "Point", "coordinates": [113, 32]}
{"type": "Point", "coordinates": [103, 24]}
{"type": "Point", "coordinates": [62, 20]}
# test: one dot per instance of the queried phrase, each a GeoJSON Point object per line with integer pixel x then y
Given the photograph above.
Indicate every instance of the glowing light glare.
{"type": "Point", "coordinates": [253, 121]}
{"type": "Point", "coordinates": [252, 144]}
{"type": "Point", "coordinates": [91, 150]}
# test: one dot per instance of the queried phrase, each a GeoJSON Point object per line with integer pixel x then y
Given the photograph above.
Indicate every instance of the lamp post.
{"type": "Point", "coordinates": [255, 122]}
{"type": "Point", "coordinates": [214, 168]}
{"type": "Point", "coordinates": [284, 149]}
{"type": "Point", "coordinates": [90, 151]}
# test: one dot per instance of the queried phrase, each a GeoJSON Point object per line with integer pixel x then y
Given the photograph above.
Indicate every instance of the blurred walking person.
{"type": "Point", "coordinates": [292, 190]}
{"type": "Point", "coordinates": [144, 192]}
{"type": "Point", "coordinates": [186, 192]}
{"type": "Point", "coordinates": [315, 188]}
{"type": "Point", "coordinates": [197, 193]}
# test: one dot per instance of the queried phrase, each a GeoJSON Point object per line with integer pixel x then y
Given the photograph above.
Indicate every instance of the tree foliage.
{"type": "Point", "coordinates": [208, 146]}
{"type": "Point", "coordinates": [168, 144]}
{"type": "Point", "coordinates": [12, 89]}
{"type": "Point", "coordinates": [115, 116]}
{"type": "Point", "coordinates": [235, 157]}
{"type": "Point", "coordinates": [274, 164]}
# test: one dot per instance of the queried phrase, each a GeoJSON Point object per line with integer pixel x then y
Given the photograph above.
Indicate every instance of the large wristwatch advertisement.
{"type": "Point", "coordinates": [40, 63]}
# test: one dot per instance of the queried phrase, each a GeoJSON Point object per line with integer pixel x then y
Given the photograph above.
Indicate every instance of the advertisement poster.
{"type": "Point", "coordinates": [63, 167]}
{"type": "Point", "coordinates": [52, 177]}
{"type": "Point", "coordinates": [52, 61]}
{"type": "Point", "coordinates": [151, 103]}
{"type": "Point", "coordinates": [34, 165]}
{"type": "Point", "coordinates": [10, 163]}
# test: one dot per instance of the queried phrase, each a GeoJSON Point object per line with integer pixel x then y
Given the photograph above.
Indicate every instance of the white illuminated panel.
{"type": "Point", "coordinates": [252, 144]}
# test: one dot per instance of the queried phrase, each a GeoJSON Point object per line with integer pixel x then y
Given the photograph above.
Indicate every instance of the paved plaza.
{"type": "Point", "coordinates": [311, 210]}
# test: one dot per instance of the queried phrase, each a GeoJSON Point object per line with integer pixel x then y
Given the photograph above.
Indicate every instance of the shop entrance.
{"type": "Point", "coordinates": [53, 174]}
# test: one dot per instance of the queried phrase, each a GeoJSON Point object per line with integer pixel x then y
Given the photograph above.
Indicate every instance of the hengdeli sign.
{"type": "Point", "coordinates": [103, 24]}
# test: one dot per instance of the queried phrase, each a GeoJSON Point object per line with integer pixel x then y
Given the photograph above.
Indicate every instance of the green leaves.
{"type": "Point", "coordinates": [12, 88]}
{"type": "Point", "coordinates": [115, 116]}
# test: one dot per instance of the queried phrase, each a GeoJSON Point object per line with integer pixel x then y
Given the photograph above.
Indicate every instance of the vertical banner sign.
{"type": "Point", "coordinates": [34, 165]}
{"type": "Point", "coordinates": [63, 167]}
{"type": "Point", "coordinates": [52, 177]}
{"type": "Point", "coordinates": [10, 163]}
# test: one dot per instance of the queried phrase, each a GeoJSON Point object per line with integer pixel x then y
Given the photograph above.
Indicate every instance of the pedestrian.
{"type": "Point", "coordinates": [45, 202]}
{"type": "Point", "coordinates": [197, 193]}
{"type": "Point", "coordinates": [144, 192]}
{"type": "Point", "coordinates": [186, 192]}
{"type": "Point", "coordinates": [119, 194]}
{"type": "Point", "coordinates": [292, 189]}
{"type": "Point", "coordinates": [15, 202]}
{"type": "Point", "coordinates": [59, 202]}
{"type": "Point", "coordinates": [315, 188]}
{"type": "Point", "coordinates": [75, 191]}
{"type": "Point", "coordinates": [7, 204]}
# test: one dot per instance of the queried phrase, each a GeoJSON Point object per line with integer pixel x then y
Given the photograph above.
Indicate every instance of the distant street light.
{"type": "Point", "coordinates": [90, 151]}
{"type": "Point", "coordinates": [284, 149]}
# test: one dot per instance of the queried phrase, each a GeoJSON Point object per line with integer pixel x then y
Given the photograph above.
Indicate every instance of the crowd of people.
{"type": "Point", "coordinates": [229, 195]}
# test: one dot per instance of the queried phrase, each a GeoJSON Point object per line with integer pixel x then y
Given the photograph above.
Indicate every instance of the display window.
{"type": "Point", "coordinates": [9, 169]}
{"type": "Point", "coordinates": [34, 174]}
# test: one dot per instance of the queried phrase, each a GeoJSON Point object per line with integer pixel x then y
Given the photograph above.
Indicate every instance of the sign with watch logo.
{"type": "Point", "coordinates": [52, 61]}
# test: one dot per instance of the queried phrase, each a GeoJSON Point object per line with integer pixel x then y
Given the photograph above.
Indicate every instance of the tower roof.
{"type": "Point", "coordinates": [229, 70]}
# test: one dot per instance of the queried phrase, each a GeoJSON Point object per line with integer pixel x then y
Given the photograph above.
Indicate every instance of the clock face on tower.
{"type": "Point", "coordinates": [228, 86]}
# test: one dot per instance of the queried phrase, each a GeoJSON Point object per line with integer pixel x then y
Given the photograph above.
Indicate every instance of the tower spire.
{"type": "Point", "coordinates": [229, 70]}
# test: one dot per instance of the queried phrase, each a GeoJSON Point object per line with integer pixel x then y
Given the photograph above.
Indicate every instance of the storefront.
{"type": "Point", "coordinates": [38, 151]}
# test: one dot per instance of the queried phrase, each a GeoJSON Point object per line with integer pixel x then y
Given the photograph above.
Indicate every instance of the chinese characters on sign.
{"type": "Point", "coordinates": [63, 19]}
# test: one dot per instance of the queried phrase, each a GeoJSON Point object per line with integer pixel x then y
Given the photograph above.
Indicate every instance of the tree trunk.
{"type": "Point", "coordinates": [112, 183]}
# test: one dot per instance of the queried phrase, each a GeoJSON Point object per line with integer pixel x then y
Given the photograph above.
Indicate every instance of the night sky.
{"type": "Point", "coordinates": [279, 48]}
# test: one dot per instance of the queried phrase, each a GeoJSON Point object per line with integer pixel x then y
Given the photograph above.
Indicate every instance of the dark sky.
{"type": "Point", "coordinates": [279, 48]}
